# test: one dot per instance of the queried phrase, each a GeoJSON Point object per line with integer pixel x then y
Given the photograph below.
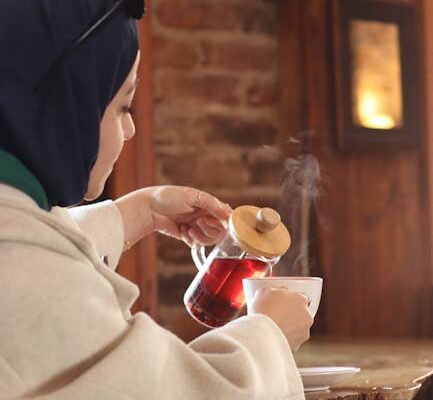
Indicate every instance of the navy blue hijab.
{"type": "Point", "coordinates": [50, 116]}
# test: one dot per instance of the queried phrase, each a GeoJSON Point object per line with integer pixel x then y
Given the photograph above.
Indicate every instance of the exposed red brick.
{"type": "Point", "coordinates": [172, 250]}
{"type": "Point", "coordinates": [196, 144]}
{"type": "Point", "coordinates": [239, 56]}
{"type": "Point", "coordinates": [181, 87]}
{"type": "Point", "coordinates": [196, 14]}
{"type": "Point", "coordinates": [205, 171]}
{"type": "Point", "coordinates": [259, 20]}
{"type": "Point", "coordinates": [206, 15]}
{"type": "Point", "coordinates": [174, 54]}
{"type": "Point", "coordinates": [265, 172]}
{"type": "Point", "coordinates": [174, 130]}
{"type": "Point", "coordinates": [240, 198]}
{"type": "Point", "coordinates": [238, 131]}
{"type": "Point", "coordinates": [263, 93]}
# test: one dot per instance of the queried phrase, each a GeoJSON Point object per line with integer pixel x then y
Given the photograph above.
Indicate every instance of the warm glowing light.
{"type": "Point", "coordinates": [369, 112]}
{"type": "Point", "coordinates": [377, 101]}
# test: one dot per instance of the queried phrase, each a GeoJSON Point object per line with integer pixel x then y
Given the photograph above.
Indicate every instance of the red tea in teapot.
{"type": "Point", "coordinates": [218, 296]}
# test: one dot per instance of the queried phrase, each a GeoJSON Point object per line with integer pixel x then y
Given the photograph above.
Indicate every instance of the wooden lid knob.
{"type": "Point", "coordinates": [267, 220]}
{"type": "Point", "coordinates": [259, 231]}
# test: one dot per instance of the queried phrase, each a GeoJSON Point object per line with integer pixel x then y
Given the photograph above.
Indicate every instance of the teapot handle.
{"type": "Point", "coordinates": [198, 253]}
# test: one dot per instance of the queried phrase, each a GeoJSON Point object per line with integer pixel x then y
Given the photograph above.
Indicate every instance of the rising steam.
{"type": "Point", "coordinates": [299, 191]}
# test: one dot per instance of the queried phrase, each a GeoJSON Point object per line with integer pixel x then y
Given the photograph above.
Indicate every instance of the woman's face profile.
{"type": "Point", "coordinates": [116, 127]}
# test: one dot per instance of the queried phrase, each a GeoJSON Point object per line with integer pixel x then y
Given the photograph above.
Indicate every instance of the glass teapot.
{"type": "Point", "coordinates": [254, 242]}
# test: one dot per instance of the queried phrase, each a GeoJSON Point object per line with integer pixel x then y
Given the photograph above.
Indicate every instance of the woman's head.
{"type": "Point", "coordinates": [50, 114]}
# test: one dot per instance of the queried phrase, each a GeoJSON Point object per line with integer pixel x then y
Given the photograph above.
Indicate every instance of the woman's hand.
{"type": "Point", "coordinates": [288, 310]}
{"type": "Point", "coordinates": [181, 212]}
{"type": "Point", "coordinates": [189, 214]}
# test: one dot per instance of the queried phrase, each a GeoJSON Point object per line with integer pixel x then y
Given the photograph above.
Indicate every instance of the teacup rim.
{"type": "Point", "coordinates": [285, 278]}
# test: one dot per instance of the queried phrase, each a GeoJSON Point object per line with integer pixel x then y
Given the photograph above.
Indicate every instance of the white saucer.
{"type": "Point", "coordinates": [320, 378]}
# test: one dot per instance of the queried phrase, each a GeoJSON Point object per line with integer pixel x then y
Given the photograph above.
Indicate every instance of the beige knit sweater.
{"type": "Point", "coordinates": [66, 331]}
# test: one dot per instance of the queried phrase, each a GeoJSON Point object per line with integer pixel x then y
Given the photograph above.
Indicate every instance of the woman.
{"type": "Point", "coordinates": [65, 327]}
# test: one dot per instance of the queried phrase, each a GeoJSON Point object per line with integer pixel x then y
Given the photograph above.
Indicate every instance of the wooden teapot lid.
{"type": "Point", "coordinates": [259, 231]}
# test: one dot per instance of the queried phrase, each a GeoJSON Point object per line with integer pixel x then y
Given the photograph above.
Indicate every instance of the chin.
{"type": "Point", "coordinates": [96, 185]}
{"type": "Point", "coordinates": [93, 193]}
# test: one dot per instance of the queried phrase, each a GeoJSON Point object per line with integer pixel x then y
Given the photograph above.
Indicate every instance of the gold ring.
{"type": "Point", "coordinates": [197, 200]}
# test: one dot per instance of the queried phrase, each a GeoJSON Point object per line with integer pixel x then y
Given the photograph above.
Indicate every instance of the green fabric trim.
{"type": "Point", "coordinates": [14, 173]}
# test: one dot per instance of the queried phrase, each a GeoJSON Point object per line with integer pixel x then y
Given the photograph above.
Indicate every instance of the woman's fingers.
{"type": "Point", "coordinates": [200, 238]}
{"type": "Point", "coordinates": [193, 235]}
{"type": "Point", "coordinates": [202, 231]}
{"type": "Point", "coordinates": [204, 223]}
{"type": "Point", "coordinates": [205, 201]}
{"type": "Point", "coordinates": [210, 229]}
{"type": "Point", "coordinates": [215, 223]}
{"type": "Point", "coordinates": [186, 237]}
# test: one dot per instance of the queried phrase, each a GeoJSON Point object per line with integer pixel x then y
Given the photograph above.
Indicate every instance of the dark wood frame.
{"type": "Point", "coordinates": [351, 136]}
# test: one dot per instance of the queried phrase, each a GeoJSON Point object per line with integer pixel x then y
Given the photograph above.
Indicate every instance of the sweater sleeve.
{"type": "Point", "coordinates": [66, 338]}
{"type": "Point", "coordinates": [103, 224]}
{"type": "Point", "coordinates": [67, 334]}
{"type": "Point", "coordinates": [262, 358]}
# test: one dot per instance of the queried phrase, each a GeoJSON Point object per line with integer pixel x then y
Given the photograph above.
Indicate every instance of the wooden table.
{"type": "Point", "coordinates": [390, 369]}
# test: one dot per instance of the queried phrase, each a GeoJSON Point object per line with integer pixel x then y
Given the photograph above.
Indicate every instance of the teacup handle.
{"type": "Point", "coordinates": [198, 254]}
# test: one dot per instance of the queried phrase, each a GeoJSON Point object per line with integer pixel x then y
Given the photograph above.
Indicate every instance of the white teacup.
{"type": "Point", "coordinates": [309, 286]}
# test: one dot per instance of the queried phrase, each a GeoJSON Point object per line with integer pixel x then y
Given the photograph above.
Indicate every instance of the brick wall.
{"type": "Point", "coordinates": [216, 105]}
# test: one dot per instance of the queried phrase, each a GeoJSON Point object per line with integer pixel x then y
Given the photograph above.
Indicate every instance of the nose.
{"type": "Point", "coordinates": [129, 127]}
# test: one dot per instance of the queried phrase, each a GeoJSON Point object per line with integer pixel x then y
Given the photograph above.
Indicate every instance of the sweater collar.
{"type": "Point", "coordinates": [14, 173]}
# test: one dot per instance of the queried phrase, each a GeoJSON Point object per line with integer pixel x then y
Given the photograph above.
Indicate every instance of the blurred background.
{"type": "Point", "coordinates": [309, 107]}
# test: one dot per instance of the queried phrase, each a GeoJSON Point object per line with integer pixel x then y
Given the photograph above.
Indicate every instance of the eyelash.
{"type": "Point", "coordinates": [128, 110]}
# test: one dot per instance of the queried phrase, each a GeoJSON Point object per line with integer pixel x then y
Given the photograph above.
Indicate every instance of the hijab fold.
{"type": "Point", "coordinates": [54, 130]}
